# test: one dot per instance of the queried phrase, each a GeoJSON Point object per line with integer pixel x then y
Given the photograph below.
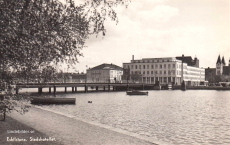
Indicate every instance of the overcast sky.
{"type": "Point", "coordinates": [163, 28]}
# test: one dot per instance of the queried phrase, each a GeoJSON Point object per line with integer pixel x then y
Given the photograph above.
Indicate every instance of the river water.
{"type": "Point", "coordinates": [170, 116]}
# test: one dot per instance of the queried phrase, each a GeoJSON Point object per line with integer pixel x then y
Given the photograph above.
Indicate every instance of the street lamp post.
{"type": "Point", "coordinates": [86, 73]}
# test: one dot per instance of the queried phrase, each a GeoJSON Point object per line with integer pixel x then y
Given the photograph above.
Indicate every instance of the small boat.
{"type": "Point", "coordinates": [135, 92]}
{"type": "Point", "coordinates": [42, 100]}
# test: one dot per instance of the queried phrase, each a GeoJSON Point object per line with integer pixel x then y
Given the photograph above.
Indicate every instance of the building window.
{"type": "Point", "coordinates": [160, 79]}
{"type": "Point", "coordinates": [143, 72]}
{"type": "Point", "coordinates": [143, 66]}
{"type": "Point", "coordinates": [151, 72]}
{"type": "Point", "coordinates": [147, 66]}
{"type": "Point", "coordinates": [147, 72]}
{"type": "Point", "coordinates": [160, 65]}
{"type": "Point", "coordinates": [139, 66]}
{"type": "Point", "coordinates": [169, 65]}
{"type": "Point", "coordinates": [165, 72]}
{"type": "Point", "coordinates": [135, 66]}
{"type": "Point", "coordinates": [173, 65]}
{"type": "Point", "coordinates": [218, 72]}
{"type": "Point", "coordinates": [164, 65]}
{"type": "Point", "coordinates": [152, 66]}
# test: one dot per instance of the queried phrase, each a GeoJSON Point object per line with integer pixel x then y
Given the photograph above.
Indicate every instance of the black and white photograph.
{"type": "Point", "coordinates": [114, 72]}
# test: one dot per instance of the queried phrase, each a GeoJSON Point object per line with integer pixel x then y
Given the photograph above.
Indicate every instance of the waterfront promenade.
{"type": "Point", "coordinates": [68, 130]}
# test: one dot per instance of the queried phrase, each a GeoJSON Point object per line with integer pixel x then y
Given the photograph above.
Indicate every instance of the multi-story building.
{"type": "Point", "coordinates": [165, 70]}
{"type": "Point", "coordinates": [105, 73]}
{"type": "Point", "coordinates": [220, 73]}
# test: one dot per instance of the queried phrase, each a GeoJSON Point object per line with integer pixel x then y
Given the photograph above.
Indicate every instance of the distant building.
{"type": "Point", "coordinates": [189, 60]}
{"type": "Point", "coordinates": [221, 71]}
{"type": "Point", "coordinates": [210, 74]}
{"type": "Point", "coordinates": [105, 73]}
{"type": "Point", "coordinates": [165, 70]}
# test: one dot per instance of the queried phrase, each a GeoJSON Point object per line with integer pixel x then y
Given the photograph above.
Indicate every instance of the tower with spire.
{"type": "Point", "coordinates": [219, 66]}
{"type": "Point", "coordinates": [223, 61]}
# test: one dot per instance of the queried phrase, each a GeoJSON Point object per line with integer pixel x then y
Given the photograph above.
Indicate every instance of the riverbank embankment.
{"type": "Point", "coordinates": [202, 88]}
{"type": "Point", "coordinates": [69, 130]}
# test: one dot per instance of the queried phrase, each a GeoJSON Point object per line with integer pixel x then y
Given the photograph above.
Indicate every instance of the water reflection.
{"type": "Point", "coordinates": [175, 117]}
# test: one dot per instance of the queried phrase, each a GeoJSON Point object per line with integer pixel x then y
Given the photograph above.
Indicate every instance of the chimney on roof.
{"type": "Point", "coordinates": [182, 58]}
{"type": "Point", "coordinates": [133, 57]}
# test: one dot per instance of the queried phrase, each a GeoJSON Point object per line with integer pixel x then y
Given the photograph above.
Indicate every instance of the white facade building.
{"type": "Point", "coordinates": [165, 70]}
{"type": "Point", "coordinates": [104, 73]}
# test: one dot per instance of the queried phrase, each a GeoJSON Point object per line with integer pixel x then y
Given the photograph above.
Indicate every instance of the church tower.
{"type": "Point", "coordinates": [219, 66]}
{"type": "Point", "coordinates": [223, 61]}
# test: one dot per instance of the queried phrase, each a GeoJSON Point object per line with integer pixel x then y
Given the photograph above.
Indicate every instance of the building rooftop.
{"type": "Point", "coordinates": [189, 60]}
{"type": "Point", "coordinates": [106, 66]}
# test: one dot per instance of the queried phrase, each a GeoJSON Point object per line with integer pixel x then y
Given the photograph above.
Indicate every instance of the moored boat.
{"type": "Point", "coordinates": [135, 92]}
{"type": "Point", "coordinates": [42, 100]}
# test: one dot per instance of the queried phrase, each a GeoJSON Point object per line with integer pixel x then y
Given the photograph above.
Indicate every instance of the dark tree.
{"type": "Point", "coordinates": [49, 74]}
{"type": "Point", "coordinates": [37, 33]}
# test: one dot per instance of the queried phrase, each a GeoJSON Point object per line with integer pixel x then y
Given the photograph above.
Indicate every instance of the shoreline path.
{"type": "Point", "coordinates": [69, 130]}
